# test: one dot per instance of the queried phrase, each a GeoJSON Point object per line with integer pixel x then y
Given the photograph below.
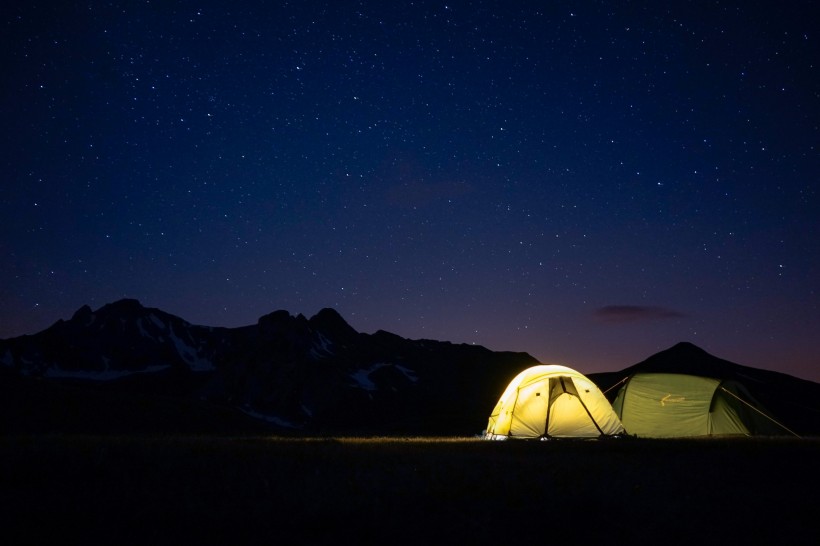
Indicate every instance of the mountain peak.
{"type": "Point", "coordinates": [686, 346]}
{"type": "Point", "coordinates": [128, 305]}
{"type": "Point", "coordinates": [275, 317]}
{"type": "Point", "coordinates": [686, 357]}
{"type": "Point", "coordinates": [329, 320]}
{"type": "Point", "coordinates": [81, 314]}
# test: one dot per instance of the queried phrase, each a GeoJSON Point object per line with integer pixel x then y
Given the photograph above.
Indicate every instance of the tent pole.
{"type": "Point", "coordinates": [616, 384]}
{"type": "Point", "coordinates": [591, 418]}
{"type": "Point", "coordinates": [578, 395]}
{"type": "Point", "coordinates": [549, 407]}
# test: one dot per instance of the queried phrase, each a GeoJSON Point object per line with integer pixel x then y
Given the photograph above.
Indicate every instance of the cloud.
{"type": "Point", "coordinates": [634, 313]}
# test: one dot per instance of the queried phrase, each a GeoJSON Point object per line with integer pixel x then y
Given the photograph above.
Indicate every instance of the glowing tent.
{"type": "Point", "coordinates": [552, 401]}
{"type": "Point", "coordinates": [667, 405]}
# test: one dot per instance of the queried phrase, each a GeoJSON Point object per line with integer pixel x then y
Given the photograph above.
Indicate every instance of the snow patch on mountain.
{"type": "Point", "coordinates": [408, 373]}
{"type": "Point", "coordinates": [278, 421]}
{"type": "Point", "coordinates": [190, 355]}
{"type": "Point", "coordinates": [157, 321]}
{"type": "Point", "coordinates": [362, 377]}
{"type": "Point", "coordinates": [141, 328]}
{"type": "Point", "coordinates": [322, 347]}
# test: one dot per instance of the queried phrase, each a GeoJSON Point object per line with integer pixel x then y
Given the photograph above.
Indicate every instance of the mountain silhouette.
{"type": "Point", "coordinates": [292, 374]}
{"type": "Point", "coordinates": [128, 368]}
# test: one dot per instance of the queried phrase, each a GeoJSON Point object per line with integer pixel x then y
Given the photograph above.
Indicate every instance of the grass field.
{"type": "Point", "coordinates": [258, 490]}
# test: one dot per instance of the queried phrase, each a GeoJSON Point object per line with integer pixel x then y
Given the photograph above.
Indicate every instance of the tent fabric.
{"type": "Point", "coordinates": [552, 401]}
{"type": "Point", "coordinates": [667, 405]}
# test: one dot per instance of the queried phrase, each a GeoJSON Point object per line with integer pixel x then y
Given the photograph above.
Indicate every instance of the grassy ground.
{"type": "Point", "coordinates": [257, 490]}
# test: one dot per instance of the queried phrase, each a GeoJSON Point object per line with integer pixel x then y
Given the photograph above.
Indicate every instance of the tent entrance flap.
{"type": "Point", "coordinates": [565, 386]}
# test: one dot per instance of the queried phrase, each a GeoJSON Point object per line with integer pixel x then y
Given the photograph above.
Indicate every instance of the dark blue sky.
{"type": "Point", "coordinates": [589, 182]}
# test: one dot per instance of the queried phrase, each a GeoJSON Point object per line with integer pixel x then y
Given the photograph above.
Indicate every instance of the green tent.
{"type": "Point", "coordinates": [668, 405]}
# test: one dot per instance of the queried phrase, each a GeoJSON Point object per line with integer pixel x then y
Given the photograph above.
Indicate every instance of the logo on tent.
{"type": "Point", "coordinates": [670, 398]}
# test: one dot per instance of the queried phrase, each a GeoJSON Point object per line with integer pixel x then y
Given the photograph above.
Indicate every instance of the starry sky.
{"type": "Point", "coordinates": [588, 182]}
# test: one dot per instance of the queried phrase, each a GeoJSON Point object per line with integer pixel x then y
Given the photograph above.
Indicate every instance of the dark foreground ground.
{"type": "Point", "coordinates": [205, 490]}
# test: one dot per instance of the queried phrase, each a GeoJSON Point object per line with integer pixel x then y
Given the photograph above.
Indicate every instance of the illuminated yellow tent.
{"type": "Point", "coordinates": [552, 401]}
{"type": "Point", "coordinates": [670, 405]}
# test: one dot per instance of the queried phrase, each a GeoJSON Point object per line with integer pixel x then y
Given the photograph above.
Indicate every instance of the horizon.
{"type": "Point", "coordinates": [584, 367]}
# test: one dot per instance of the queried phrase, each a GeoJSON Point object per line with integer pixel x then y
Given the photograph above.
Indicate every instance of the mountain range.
{"type": "Point", "coordinates": [126, 368]}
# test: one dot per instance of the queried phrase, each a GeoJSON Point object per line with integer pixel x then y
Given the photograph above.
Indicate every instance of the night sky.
{"type": "Point", "coordinates": [588, 182]}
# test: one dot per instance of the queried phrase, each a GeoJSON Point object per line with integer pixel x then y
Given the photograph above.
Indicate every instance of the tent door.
{"type": "Point", "coordinates": [565, 385]}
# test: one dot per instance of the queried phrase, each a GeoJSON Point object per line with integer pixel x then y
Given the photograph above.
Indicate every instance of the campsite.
{"type": "Point", "coordinates": [267, 490]}
{"type": "Point", "coordinates": [391, 448]}
{"type": "Point", "coordinates": [567, 481]}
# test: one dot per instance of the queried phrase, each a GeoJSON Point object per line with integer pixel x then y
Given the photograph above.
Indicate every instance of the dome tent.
{"type": "Point", "coordinates": [552, 401]}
